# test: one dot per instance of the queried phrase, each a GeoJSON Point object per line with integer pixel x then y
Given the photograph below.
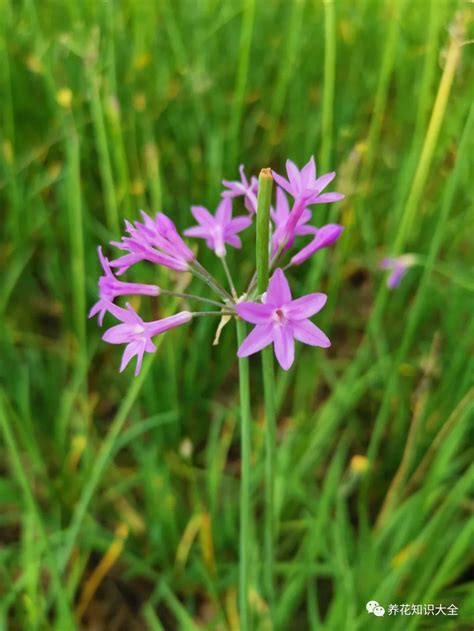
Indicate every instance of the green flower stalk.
{"type": "Point", "coordinates": [265, 185]}
{"type": "Point", "coordinates": [245, 507]}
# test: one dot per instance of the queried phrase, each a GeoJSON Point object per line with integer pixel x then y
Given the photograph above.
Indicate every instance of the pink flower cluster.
{"type": "Point", "coordinates": [278, 319]}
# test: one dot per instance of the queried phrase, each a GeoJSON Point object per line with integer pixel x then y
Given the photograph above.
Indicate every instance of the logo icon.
{"type": "Point", "coordinates": [373, 607]}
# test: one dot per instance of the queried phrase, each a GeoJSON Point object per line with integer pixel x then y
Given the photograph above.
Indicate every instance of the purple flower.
{"type": "Point", "coordinates": [156, 241]}
{"type": "Point", "coordinates": [280, 217]}
{"type": "Point", "coordinates": [306, 190]}
{"type": "Point", "coordinates": [281, 320]}
{"type": "Point", "coordinates": [324, 237]}
{"type": "Point", "coordinates": [110, 288]}
{"type": "Point", "coordinates": [399, 266]}
{"type": "Point", "coordinates": [136, 334]}
{"type": "Point", "coordinates": [245, 188]}
{"type": "Point", "coordinates": [304, 185]}
{"type": "Point", "coordinates": [218, 229]}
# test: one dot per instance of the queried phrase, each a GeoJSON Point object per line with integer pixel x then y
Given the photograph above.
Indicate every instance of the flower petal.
{"type": "Point", "coordinates": [305, 216]}
{"type": "Point", "coordinates": [282, 209]}
{"type": "Point", "coordinates": [118, 334]}
{"type": "Point", "coordinates": [202, 216]}
{"type": "Point", "coordinates": [308, 333]}
{"type": "Point", "coordinates": [237, 225]}
{"type": "Point", "coordinates": [284, 346]}
{"type": "Point", "coordinates": [327, 198]}
{"type": "Point", "coordinates": [243, 177]}
{"type": "Point", "coordinates": [104, 262]}
{"type": "Point", "coordinates": [126, 261]}
{"type": "Point", "coordinates": [261, 336]}
{"type": "Point", "coordinates": [100, 308]}
{"type": "Point", "coordinates": [293, 175]}
{"type": "Point", "coordinates": [308, 172]}
{"type": "Point", "coordinates": [396, 276]}
{"type": "Point", "coordinates": [124, 315]}
{"type": "Point", "coordinates": [294, 218]}
{"type": "Point", "coordinates": [160, 326]}
{"type": "Point", "coordinates": [118, 288]}
{"type": "Point", "coordinates": [224, 211]}
{"type": "Point", "coordinates": [255, 312]}
{"type": "Point", "coordinates": [278, 292]}
{"type": "Point", "coordinates": [199, 232]}
{"type": "Point", "coordinates": [325, 237]}
{"type": "Point", "coordinates": [306, 306]}
{"type": "Point", "coordinates": [251, 202]}
{"type": "Point", "coordinates": [132, 349]}
{"type": "Point", "coordinates": [324, 180]}
{"type": "Point", "coordinates": [233, 192]}
{"type": "Point", "coordinates": [281, 181]}
{"type": "Point", "coordinates": [234, 241]}
{"type": "Point", "coordinates": [303, 230]}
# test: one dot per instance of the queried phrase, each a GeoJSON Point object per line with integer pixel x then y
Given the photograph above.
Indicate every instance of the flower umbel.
{"type": "Point", "coordinates": [218, 229]}
{"type": "Point", "coordinates": [281, 320]}
{"type": "Point", "coordinates": [278, 319]}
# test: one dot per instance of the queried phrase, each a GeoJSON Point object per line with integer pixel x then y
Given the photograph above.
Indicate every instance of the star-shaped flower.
{"type": "Point", "coordinates": [137, 334]}
{"type": "Point", "coordinates": [245, 188]}
{"type": "Point", "coordinates": [218, 229]}
{"type": "Point", "coordinates": [110, 288]}
{"type": "Point", "coordinates": [281, 320]}
{"type": "Point", "coordinates": [303, 184]}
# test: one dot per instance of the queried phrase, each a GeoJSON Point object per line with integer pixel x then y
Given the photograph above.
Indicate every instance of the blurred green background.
{"type": "Point", "coordinates": [119, 496]}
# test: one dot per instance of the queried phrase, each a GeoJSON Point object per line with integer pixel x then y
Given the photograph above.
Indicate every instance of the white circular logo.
{"type": "Point", "coordinates": [373, 607]}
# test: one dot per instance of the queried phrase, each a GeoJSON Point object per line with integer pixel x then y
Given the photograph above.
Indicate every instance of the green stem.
{"type": "Point", "coordinates": [201, 272]}
{"type": "Point", "coordinates": [329, 81]}
{"type": "Point", "coordinates": [273, 260]}
{"type": "Point", "coordinates": [453, 58]}
{"type": "Point", "coordinates": [265, 184]}
{"type": "Point", "coordinates": [185, 296]}
{"type": "Point", "coordinates": [104, 162]}
{"type": "Point", "coordinates": [244, 541]}
{"type": "Point", "coordinates": [263, 222]}
{"type": "Point", "coordinates": [248, 18]}
{"type": "Point", "coordinates": [200, 314]}
{"type": "Point", "coordinates": [270, 458]}
{"type": "Point", "coordinates": [229, 277]}
{"type": "Point", "coordinates": [63, 610]}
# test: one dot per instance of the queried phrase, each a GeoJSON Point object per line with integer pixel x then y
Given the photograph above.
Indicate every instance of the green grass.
{"type": "Point", "coordinates": [166, 99]}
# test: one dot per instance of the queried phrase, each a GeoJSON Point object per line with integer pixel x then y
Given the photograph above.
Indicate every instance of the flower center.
{"type": "Point", "coordinates": [138, 329]}
{"type": "Point", "coordinates": [279, 316]}
{"type": "Point", "coordinates": [216, 231]}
